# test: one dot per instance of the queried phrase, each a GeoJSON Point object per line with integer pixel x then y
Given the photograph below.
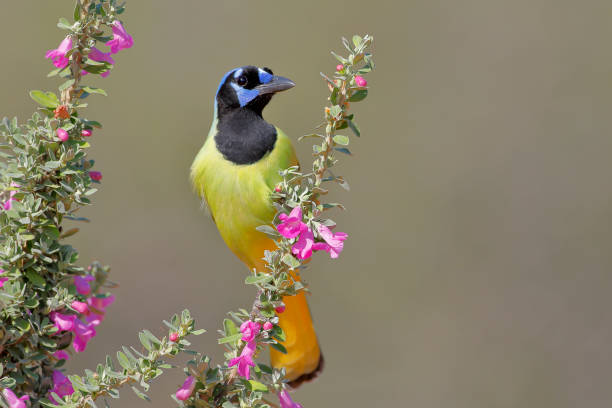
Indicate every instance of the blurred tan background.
{"type": "Point", "coordinates": [478, 269]}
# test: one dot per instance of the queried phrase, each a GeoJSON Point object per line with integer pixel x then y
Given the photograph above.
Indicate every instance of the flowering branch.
{"type": "Point", "coordinates": [135, 367]}
{"type": "Point", "coordinates": [298, 230]}
{"type": "Point", "coordinates": [47, 301]}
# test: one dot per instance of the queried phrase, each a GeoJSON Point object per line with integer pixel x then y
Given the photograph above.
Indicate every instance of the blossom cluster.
{"type": "Point", "coordinates": [292, 226]}
{"type": "Point", "coordinates": [250, 331]}
{"type": "Point", "coordinates": [121, 40]}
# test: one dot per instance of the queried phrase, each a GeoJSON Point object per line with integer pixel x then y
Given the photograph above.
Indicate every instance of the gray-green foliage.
{"type": "Point", "coordinates": [45, 182]}
{"type": "Point", "coordinates": [131, 367]}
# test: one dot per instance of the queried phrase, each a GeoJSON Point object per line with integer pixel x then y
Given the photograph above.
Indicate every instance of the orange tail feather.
{"type": "Point", "coordinates": [303, 361]}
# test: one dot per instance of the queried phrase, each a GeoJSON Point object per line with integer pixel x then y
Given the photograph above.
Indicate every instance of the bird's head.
{"type": "Point", "coordinates": [249, 87]}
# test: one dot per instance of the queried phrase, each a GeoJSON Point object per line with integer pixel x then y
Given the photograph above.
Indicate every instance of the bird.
{"type": "Point", "coordinates": [235, 173]}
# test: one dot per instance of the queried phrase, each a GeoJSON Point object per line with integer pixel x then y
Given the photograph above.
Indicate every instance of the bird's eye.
{"type": "Point", "coordinates": [242, 80]}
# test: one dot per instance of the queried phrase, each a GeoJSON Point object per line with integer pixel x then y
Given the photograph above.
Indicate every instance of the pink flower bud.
{"type": "Point", "coordinates": [173, 336]}
{"type": "Point", "coordinates": [86, 133]}
{"type": "Point", "coordinates": [61, 134]}
{"type": "Point", "coordinates": [268, 326]}
{"type": "Point", "coordinates": [360, 81]}
{"type": "Point", "coordinates": [277, 189]}
{"type": "Point", "coordinates": [95, 175]}
{"type": "Point", "coordinates": [280, 309]}
{"type": "Point", "coordinates": [339, 67]}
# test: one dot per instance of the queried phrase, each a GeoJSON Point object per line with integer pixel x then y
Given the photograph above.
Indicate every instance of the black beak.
{"type": "Point", "coordinates": [276, 84]}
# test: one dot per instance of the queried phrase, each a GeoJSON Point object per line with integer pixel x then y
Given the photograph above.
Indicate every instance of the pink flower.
{"type": "Point", "coordinates": [86, 132]}
{"type": "Point", "coordinates": [186, 389]}
{"type": "Point", "coordinates": [7, 204]}
{"type": "Point", "coordinates": [286, 401]}
{"type": "Point", "coordinates": [279, 309]}
{"type": "Point", "coordinates": [97, 55]}
{"type": "Point", "coordinates": [360, 81]}
{"type": "Point", "coordinates": [82, 334]}
{"type": "Point", "coordinates": [173, 336]}
{"type": "Point", "coordinates": [62, 135]}
{"type": "Point", "coordinates": [62, 322]}
{"type": "Point", "coordinates": [2, 280]}
{"type": "Point", "coordinates": [58, 55]}
{"type": "Point", "coordinates": [61, 385]}
{"type": "Point", "coordinates": [249, 330]}
{"type": "Point", "coordinates": [245, 360]}
{"type": "Point", "coordinates": [12, 400]}
{"type": "Point", "coordinates": [121, 39]}
{"type": "Point", "coordinates": [302, 249]}
{"type": "Point", "coordinates": [95, 175]}
{"type": "Point", "coordinates": [101, 303]}
{"type": "Point", "coordinates": [61, 355]}
{"type": "Point", "coordinates": [291, 224]}
{"type": "Point", "coordinates": [80, 307]}
{"type": "Point", "coordinates": [339, 67]}
{"type": "Point", "coordinates": [82, 284]}
{"type": "Point", "coordinates": [334, 243]}
{"type": "Point", "coordinates": [268, 326]}
{"type": "Point", "coordinates": [94, 319]}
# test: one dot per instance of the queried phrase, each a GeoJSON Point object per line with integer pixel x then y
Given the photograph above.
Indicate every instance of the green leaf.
{"type": "Point", "coordinates": [97, 68]}
{"type": "Point", "coordinates": [51, 231]}
{"type": "Point", "coordinates": [198, 332]}
{"type": "Point", "coordinates": [278, 333]}
{"type": "Point", "coordinates": [92, 123]}
{"type": "Point", "coordinates": [140, 394]}
{"type": "Point", "coordinates": [46, 99]}
{"type": "Point", "coordinates": [92, 90]}
{"type": "Point", "coordinates": [64, 24]}
{"type": "Point", "coordinates": [339, 58]}
{"type": "Point", "coordinates": [343, 150]}
{"type": "Point", "coordinates": [35, 278]}
{"type": "Point", "coordinates": [123, 360]}
{"type": "Point", "coordinates": [279, 347]}
{"type": "Point", "coordinates": [66, 84]}
{"type": "Point", "coordinates": [360, 95]}
{"type": "Point", "coordinates": [77, 11]}
{"type": "Point", "coordinates": [268, 230]}
{"type": "Point", "coordinates": [341, 140]}
{"type": "Point", "coordinates": [257, 386]}
{"type": "Point", "coordinates": [291, 261]}
{"type": "Point", "coordinates": [229, 339]}
{"type": "Point", "coordinates": [22, 324]}
{"type": "Point", "coordinates": [54, 72]}
{"type": "Point", "coordinates": [258, 279]}
{"type": "Point", "coordinates": [335, 111]}
{"type": "Point", "coordinates": [7, 382]}
{"type": "Point", "coordinates": [229, 327]}
{"type": "Point", "coordinates": [354, 127]}
{"type": "Point", "coordinates": [357, 41]}
{"type": "Point", "coordinates": [334, 96]}
{"type": "Point", "coordinates": [151, 337]}
{"type": "Point", "coordinates": [264, 368]}
{"type": "Point", "coordinates": [144, 340]}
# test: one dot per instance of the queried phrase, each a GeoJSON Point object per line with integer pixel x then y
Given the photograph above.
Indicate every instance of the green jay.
{"type": "Point", "coordinates": [235, 172]}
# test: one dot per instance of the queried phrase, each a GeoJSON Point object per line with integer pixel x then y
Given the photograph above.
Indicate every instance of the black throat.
{"type": "Point", "coordinates": [243, 136]}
